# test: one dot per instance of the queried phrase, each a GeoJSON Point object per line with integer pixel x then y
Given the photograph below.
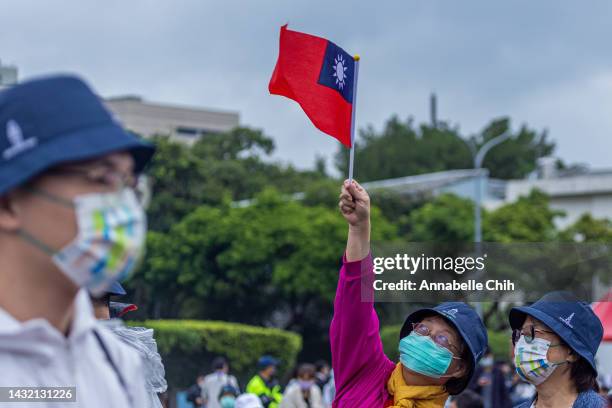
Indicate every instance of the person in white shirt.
{"type": "Point", "coordinates": [214, 382]}
{"type": "Point", "coordinates": [303, 393]}
{"type": "Point", "coordinates": [248, 400]}
{"type": "Point", "coordinates": [70, 222]}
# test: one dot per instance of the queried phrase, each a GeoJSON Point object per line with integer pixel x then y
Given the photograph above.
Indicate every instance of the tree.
{"type": "Point", "coordinates": [447, 218]}
{"type": "Point", "coordinates": [403, 150]}
{"type": "Point", "coordinates": [529, 219]}
{"type": "Point", "coordinates": [221, 167]}
{"type": "Point", "coordinates": [400, 150]}
{"type": "Point", "coordinates": [176, 181]}
{"type": "Point", "coordinates": [588, 229]}
{"type": "Point", "coordinates": [595, 234]}
{"type": "Point", "coordinates": [274, 262]}
{"type": "Point", "coordinates": [516, 157]}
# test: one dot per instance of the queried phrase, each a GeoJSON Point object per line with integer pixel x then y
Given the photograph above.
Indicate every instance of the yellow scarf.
{"type": "Point", "coordinates": [414, 396]}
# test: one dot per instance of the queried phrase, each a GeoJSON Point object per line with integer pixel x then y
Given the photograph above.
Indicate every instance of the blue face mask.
{"type": "Point", "coordinates": [422, 355]}
{"type": "Point", "coordinates": [227, 401]}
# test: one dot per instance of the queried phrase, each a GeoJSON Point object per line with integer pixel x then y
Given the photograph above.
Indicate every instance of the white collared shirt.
{"type": "Point", "coordinates": [36, 354]}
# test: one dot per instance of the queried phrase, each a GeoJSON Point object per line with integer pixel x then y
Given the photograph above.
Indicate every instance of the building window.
{"type": "Point", "coordinates": [191, 132]}
{"type": "Point", "coordinates": [187, 131]}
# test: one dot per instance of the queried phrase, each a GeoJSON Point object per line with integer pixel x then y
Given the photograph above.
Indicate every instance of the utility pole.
{"type": "Point", "coordinates": [433, 110]}
{"type": "Point", "coordinates": [481, 175]}
{"type": "Point", "coordinates": [480, 178]}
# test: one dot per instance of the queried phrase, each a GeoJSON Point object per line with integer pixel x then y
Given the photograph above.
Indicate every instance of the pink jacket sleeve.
{"type": "Point", "coordinates": [361, 369]}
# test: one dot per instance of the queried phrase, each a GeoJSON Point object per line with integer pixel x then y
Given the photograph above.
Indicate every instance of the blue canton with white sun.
{"type": "Point", "coordinates": [337, 71]}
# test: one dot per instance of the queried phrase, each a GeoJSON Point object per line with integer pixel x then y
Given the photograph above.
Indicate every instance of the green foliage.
{"type": "Point", "coordinates": [516, 157]}
{"type": "Point", "coordinates": [218, 168]}
{"type": "Point", "coordinates": [403, 150]}
{"type": "Point", "coordinates": [188, 346]}
{"type": "Point", "coordinates": [396, 208]}
{"type": "Point", "coordinates": [177, 181]}
{"type": "Point", "coordinates": [500, 343]}
{"type": "Point", "coordinates": [322, 192]}
{"type": "Point", "coordinates": [529, 219]}
{"type": "Point", "coordinates": [447, 218]}
{"type": "Point", "coordinates": [275, 262]}
{"type": "Point", "coordinates": [590, 229]}
{"type": "Point", "coordinates": [389, 336]}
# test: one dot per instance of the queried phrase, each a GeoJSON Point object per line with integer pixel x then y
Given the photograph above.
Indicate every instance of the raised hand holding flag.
{"type": "Point", "coordinates": [322, 78]}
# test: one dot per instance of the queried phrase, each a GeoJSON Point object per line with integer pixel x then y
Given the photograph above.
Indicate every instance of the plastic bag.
{"type": "Point", "coordinates": [141, 339]}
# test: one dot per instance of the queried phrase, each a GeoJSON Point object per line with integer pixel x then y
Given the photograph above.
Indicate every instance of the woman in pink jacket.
{"type": "Point", "coordinates": [439, 347]}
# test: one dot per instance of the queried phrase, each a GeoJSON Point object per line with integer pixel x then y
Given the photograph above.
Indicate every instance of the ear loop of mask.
{"type": "Point", "coordinates": [36, 242]}
{"type": "Point", "coordinates": [50, 197]}
{"type": "Point", "coordinates": [566, 361]}
{"type": "Point", "coordinates": [29, 238]}
{"type": "Point", "coordinates": [562, 362]}
{"type": "Point", "coordinates": [453, 374]}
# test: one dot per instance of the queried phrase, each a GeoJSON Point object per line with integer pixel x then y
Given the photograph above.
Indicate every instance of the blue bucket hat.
{"type": "Point", "coordinates": [571, 319]}
{"type": "Point", "coordinates": [228, 389]}
{"type": "Point", "coordinates": [266, 361]}
{"type": "Point", "coordinates": [116, 289]}
{"type": "Point", "coordinates": [464, 319]}
{"type": "Point", "coordinates": [52, 120]}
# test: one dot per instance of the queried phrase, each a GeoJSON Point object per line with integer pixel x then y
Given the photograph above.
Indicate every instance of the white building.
{"type": "Point", "coordinates": [574, 192]}
{"type": "Point", "coordinates": [575, 195]}
{"type": "Point", "coordinates": [182, 123]}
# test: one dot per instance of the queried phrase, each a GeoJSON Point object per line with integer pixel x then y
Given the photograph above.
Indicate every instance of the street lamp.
{"type": "Point", "coordinates": [478, 157]}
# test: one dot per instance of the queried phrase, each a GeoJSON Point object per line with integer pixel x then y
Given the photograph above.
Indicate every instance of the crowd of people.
{"type": "Point", "coordinates": [72, 225]}
{"type": "Point", "coordinates": [311, 386]}
{"type": "Point", "coordinates": [494, 384]}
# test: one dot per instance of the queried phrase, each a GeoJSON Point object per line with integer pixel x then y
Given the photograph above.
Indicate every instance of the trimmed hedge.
{"type": "Point", "coordinates": [501, 344]}
{"type": "Point", "coordinates": [188, 347]}
{"type": "Point", "coordinates": [499, 341]}
{"type": "Point", "coordinates": [390, 340]}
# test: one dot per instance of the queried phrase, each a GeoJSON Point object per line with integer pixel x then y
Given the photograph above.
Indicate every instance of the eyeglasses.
{"type": "Point", "coordinates": [529, 332]}
{"type": "Point", "coordinates": [108, 177]}
{"type": "Point", "coordinates": [440, 339]}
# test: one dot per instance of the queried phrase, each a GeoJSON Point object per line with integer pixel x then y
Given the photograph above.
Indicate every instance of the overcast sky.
{"type": "Point", "coordinates": [544, 63]}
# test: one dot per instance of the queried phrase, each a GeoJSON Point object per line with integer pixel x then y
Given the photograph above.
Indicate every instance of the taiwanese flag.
{"type": "Point", "coordinates": [318, 75]}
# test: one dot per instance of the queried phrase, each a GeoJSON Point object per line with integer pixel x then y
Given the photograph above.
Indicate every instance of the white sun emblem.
{"type": "Point", "coordinates": [339, 68]}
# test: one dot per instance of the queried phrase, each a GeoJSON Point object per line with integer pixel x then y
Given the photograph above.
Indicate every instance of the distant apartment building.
{"type": "Point", "coordinates": [185, 124]}
{"type": "Point", "coordinates": [8, 75]}
{"type": "Point", "coordinates": [182, 123]}
{"type": "Point", "coordinates": [574, 192]}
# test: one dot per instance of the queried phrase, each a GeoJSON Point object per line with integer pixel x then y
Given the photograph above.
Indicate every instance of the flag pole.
{"type": "Point", "coordinates": [354, 109]}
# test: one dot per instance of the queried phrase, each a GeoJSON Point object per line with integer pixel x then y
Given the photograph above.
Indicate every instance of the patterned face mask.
{"type": "Point", "coordinates": [531, 362]}
{"type": "Point", "coordinates": [109, 241]}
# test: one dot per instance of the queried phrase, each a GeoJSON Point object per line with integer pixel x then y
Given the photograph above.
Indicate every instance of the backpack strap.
{"type": "Point", "coordinates": [111, 362]}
